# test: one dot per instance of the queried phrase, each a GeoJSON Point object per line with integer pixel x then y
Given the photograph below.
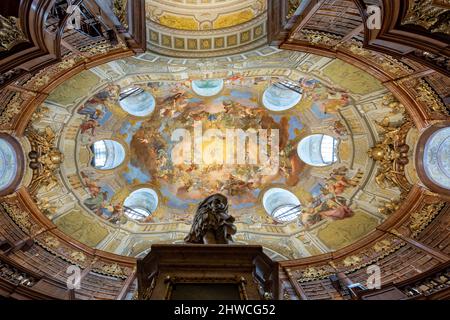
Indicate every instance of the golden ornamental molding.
{"type": "Point", "coordinates": [9, 110]}
{"type": "Point", "coordinates": [387, 63]}
{"type": "Point", "coordinates": [45, 159]}
{"type": "Point", "coordinates": [111, 269]}
{"type": "Point", "coordinates": [20, 217]}
{"type": "Point", "coordinates": [428, 97]}
{"type": "Point", "coordinates": [392, 152]}
{"type": "Point", "coordinates": [10, 33]}
{"type": "Point", "coordinates": [427, 14]}
{"type": "Point", "coordinates": [319, 38]}
{"type": "Point", "coordinates": [352, 262]}
{"type": "Point", "coordinates": [421, 219]}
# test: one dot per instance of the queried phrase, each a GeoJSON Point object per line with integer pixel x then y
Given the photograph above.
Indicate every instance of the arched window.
{"type": "Point", "coordinates": [318, 150]}
{"type": "Point", "coordinates": [108, 154]}
{"type": "Point", "coordinates": [8, 164]}
{"type": "Point", "coordinates": [140, 204]}
{"type": "Point", "coordinates": [281, 205]}
{"type": "Point", "coordinates": [207, 88]}
{"type": "Point", "coordinates": [137, 102]}
{"type": "Point", "coordinates": [279, 97]}
{"type": "Point", "coordinates": [436, 157]}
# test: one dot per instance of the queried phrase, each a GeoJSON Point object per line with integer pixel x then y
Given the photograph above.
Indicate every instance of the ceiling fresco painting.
{"type": "Point", "coordinates": [304, 143]}
{"type": "Point", "coordinates": [136, 194]}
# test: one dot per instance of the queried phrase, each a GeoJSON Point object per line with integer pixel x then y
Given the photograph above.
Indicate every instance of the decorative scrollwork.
{"type": "Point", "coordinates": [392, 152]}
{"type": "Point", "coordinates": [9, 110]}
{"type": "Point", "coordinates": [319, 38]}
{"type": "Point", "coordinates": [10, 33]}
{"type": "Point", "coordinates": [315, 273]}
{"type": "Point", "coordinates": [45, 159]}
{"type": "Point", "coordinates": [78, 256]}
{"type": "Point", "coordinates": [112, 270]}
{"type": "Point", "coordinates": [422, 218]}
{"type": "Point", "coordinates": [292, 7]}
{"type": "Point", "coordinates": [429, 98]}
{"type": "Point", "coordinates": [20, 217]}
{"type": "Point", "coordinates": [120, 10]}
{"type": "Point", "coordinates": [385, 62]}
{"type": "Point", "coordinates": [389, 207]}
{"type": "Point", "coordinates": [428, 15]}
{"type": "Point", "coordinates": [51, 242]}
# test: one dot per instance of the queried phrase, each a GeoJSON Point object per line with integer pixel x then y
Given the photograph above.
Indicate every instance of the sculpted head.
{"type": "Point", "coordinates": [216, 203]}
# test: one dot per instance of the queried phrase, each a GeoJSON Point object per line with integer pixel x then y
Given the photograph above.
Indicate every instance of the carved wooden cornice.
{"type": "Point", "coordinates": [415, 213]}
{"type": "Point", "coordinates": [20, 109]}
{"type": "Point", "coordinates": [22, 209]}
{"type": "Point", "coordinates": [45, 40]}
{"type": "Point", "coordinates": [414, 29]}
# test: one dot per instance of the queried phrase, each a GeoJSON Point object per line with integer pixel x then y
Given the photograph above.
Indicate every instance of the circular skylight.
{"type": "Point", "coordinates": [282, 205]}
{"type": "Point", "coordinates": [318, 150]}
{"type": "Point", "coordinates": [140, 204]}
{"type": "Point", "coordinates": [436, 157]}
{"type": "Point", "coordinates": [207, 88]}
{"type": "Point", "coordinates": [280, 98]}
{"type": "Point", "coordinates": [108, 154]}
{"type": "Point", "coordinates": [137, 102]}
{"type": "Point", "coordinates": [8, 164]}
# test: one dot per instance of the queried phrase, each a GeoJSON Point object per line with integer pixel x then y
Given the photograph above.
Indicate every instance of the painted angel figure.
{"type": "Point", "coordinates": [330, 207]}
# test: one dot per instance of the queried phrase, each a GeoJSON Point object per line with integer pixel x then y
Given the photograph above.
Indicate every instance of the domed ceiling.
{"type": "Point", "coordinates": [145, 139]}
{"type": "Point", "coordinates": [205, 28]}
{"type": "Point", "coordinates": [203, 15]}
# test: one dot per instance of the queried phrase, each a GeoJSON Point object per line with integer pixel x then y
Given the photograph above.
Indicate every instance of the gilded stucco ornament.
{"type": "Point", "coordinates": [428, 15]}
{"type": "Point", "coordinates": [121, 12]}
{"type": "Point", "coordinates": [314, 273]}
{"type": "Point", "coordinates": [78, 257]}
{"type": "Point", "coordinates": [389, 207]}
{"type": "Point", "coordinates": [19, 216]}
{"type": "Point", "coordinates": [383, 245]}
{"type": "Point", "coordinates": [392, 152]}
{"type": "Point", "coordinates": [45, 76]}
{"type": "Point", "coordinates": [45, 159]}
{"type": "Point", "coordinates": [319, 37]}
{"type": "Point", "coordinates": [46, 206]}
{"type": "Point", "coordinates": [101, 47]}
{"type": "Point", "coordinates": [292, 7]}
{"type": "Point", "coordinates": [386, 62]}
{"type": "Point", "coordinates": [9, 110]}
{"type": "Point", "coordinates": [352, 261]}
{"type": "Point", "coordinates": [420, 219]}
{"type": "Point", "coordinates": [429, 98]}
{"type": "Point", "coordinates": [51, 241]}
{"type": "Point", "coordinates": [10, 33]}
{"type": "Point", "coordinates": [112, 269]}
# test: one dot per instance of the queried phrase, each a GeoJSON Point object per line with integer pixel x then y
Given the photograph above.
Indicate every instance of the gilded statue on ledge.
{"type": "Point", "coordinates": [212, 224]}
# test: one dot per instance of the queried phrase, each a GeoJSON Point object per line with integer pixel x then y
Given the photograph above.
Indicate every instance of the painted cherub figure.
{"type": "Point", "coordinates": [329, 207]}
{"type": "Point", "coordinates": [338, 181]}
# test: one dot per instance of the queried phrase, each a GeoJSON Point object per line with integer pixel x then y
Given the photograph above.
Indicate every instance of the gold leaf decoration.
{"type": "Point", "coordinates": [422, 218]}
